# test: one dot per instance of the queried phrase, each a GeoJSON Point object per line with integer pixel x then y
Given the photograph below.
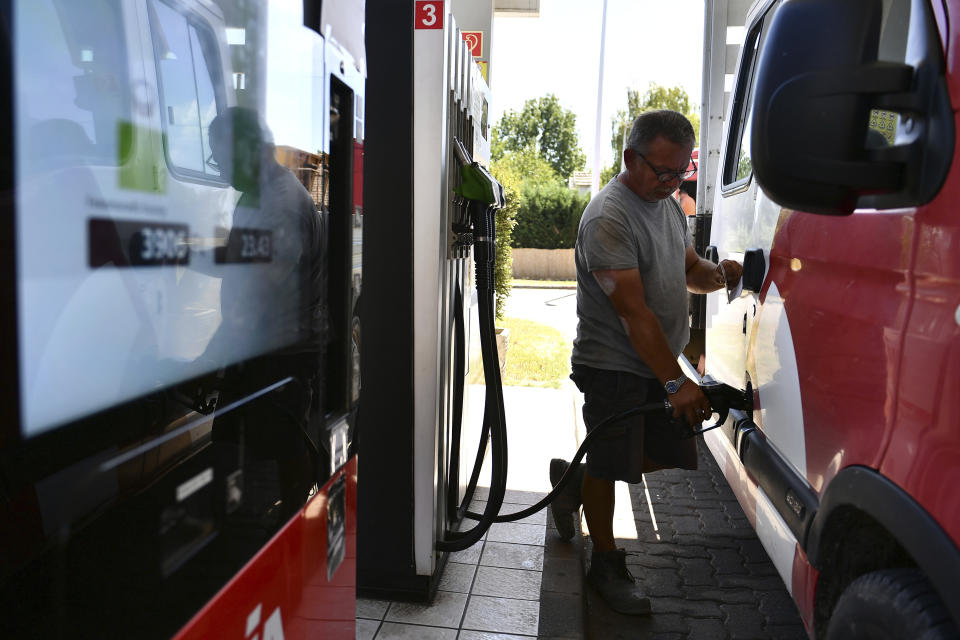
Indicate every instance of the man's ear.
{"type": "Point", "coordinates": [629, 155]}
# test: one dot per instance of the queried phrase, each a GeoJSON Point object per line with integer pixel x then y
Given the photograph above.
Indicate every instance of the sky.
{"type": "Point", "coordinates": [559, 52]}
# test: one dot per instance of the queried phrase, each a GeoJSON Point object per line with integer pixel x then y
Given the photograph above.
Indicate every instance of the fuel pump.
{"type": "Point", "coordinates": [420, 317]}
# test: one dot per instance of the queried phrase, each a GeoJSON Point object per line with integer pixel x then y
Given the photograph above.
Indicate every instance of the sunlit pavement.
{"type": "Point", "coordinates": [699, 561]}
{"type": "Point", "coordinates": [555, 308]}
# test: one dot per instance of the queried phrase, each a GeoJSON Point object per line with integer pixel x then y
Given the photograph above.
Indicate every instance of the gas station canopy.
{"type": "Point", "coordinates": [517, 8]}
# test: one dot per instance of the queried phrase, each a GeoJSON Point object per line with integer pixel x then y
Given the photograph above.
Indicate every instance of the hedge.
{"type": "Point", "coordinates": [548, 216]}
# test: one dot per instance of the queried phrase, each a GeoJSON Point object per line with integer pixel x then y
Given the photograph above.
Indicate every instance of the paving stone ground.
{"type": "Point", "coordinates": [707, 575]}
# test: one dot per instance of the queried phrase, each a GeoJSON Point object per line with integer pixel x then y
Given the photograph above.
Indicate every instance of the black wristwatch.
{"type": "Point", "coordinates": [672, 386]}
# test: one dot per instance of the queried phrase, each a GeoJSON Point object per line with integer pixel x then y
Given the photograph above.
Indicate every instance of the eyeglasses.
{"type": "Point", "coordinates": [669, 176]}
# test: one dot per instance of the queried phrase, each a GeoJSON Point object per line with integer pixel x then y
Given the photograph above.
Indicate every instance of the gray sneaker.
{"type": "Point", "coordinates": [609, 575]}
{"type": "Point", "coordinates": [564, 506]}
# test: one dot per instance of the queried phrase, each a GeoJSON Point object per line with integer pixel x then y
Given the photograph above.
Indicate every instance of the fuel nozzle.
{"type": "Point", "coordinates": [477, 184]}
{"type": "Point", "coordinates": [722, 399]}
{"type": "Point", "coordinates": [484, 196]}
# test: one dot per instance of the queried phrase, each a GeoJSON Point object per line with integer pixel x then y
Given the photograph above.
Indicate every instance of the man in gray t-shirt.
{"type": "Point", "coordinates": [621, 230]}
{"type": "Point", "coordinates": [635, 263]}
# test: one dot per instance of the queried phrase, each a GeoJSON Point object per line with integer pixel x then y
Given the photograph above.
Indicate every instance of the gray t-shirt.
{"type": "Point", "coordinates": [620, 230]}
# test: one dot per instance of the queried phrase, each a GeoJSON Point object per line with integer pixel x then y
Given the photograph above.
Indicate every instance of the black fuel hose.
{"type": "Point", "coordinates": [494, 418]}
{"type": "Point", "coordinates": [494, 422]}
{"type": "Point", "coordinates": [456, 427]}
{"type": "Point", "coordinates": [588, 442]}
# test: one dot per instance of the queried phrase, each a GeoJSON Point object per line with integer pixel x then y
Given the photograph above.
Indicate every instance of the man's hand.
{"type": "Point", "coordinates": [690, 403]}
{"type": "Point", "coordinates": [705, 277]}
{"type": "Point", "coordinates": [729, 272]}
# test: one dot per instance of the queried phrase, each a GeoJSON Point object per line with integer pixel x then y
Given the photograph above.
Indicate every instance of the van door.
{"type": "Point", "coordinates": [740, 224]}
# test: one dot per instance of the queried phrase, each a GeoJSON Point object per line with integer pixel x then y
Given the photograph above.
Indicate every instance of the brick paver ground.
{"type": "Point", "coordinates": [708, 576]}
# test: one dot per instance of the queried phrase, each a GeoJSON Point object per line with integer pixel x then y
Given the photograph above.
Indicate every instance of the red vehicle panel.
{"type": "Point", "coordinates": [924, 452]}
{"type": "Point", "coordinates": [847, 295]}
{"type": "Point", "coordinates": [284, 591]}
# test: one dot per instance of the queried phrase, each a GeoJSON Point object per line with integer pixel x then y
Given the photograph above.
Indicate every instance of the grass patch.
{"type": "Point", "coordinates": [545, 284]}
{"type": "Point", "coordinates": [538, 355]}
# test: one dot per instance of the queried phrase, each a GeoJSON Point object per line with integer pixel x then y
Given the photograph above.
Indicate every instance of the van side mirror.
{"type": "Point", "coordinates": [810, 143]}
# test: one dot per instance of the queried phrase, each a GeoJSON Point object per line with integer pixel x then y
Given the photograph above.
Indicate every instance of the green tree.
{"type": "Point", "coordinates": [522, 167]}
{"type": "Point", "coordinates": [606, 175]}
{"type": "Point", "coordinates": [519, 172]}
{"type": "Point", "coordinates": [544, 126]}
{"type": "Point", "coordinates": [655, 97]}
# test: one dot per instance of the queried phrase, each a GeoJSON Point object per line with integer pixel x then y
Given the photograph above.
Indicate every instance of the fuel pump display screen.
{"type": "Point", "coordinates": [130, 243]}
{"type": "Point", "coordinates": [157, 237]}
{"type": "Point", "coordinates": [245, 245]}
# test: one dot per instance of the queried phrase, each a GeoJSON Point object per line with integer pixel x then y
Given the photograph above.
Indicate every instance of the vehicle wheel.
{"type": "Point", "coordinates": [891, 604]}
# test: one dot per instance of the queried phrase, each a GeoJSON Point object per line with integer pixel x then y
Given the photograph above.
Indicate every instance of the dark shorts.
{"type": "Point", "coordinates": [638, 443]}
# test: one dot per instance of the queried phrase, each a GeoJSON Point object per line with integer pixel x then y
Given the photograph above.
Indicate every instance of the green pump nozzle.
{"type": "Point", "coordinates": [478, 185]}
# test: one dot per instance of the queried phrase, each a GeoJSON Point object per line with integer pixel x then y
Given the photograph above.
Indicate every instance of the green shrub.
{"type": "Point", "coordinates": [509, 172]}
{"type": "Point", "coordinates": [548, 216]}
{"type": "Point", "coordinates": [503, 259]}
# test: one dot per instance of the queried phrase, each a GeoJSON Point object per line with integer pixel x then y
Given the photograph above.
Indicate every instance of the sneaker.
{"type": "Point", "coordinates": [609, 575]}
{"type": "Point", "coordinates": [564, 507]}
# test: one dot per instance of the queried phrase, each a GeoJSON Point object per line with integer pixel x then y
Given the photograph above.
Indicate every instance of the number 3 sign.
{"type": "Point", "coordinates": [429, 14]}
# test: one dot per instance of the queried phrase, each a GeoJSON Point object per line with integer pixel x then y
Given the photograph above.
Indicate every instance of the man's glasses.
{"type": "Point", "coordinates": [669, 176]}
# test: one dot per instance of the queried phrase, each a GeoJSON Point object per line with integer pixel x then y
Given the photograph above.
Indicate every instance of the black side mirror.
{"type": "Point", "coordinates": [818, 79]}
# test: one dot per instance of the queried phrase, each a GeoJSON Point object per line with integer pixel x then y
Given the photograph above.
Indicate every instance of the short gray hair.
{"type": "Point", "coordinates": [672, 125]}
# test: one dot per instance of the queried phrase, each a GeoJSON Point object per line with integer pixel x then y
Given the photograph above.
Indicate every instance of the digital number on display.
{"type": "Point", "coordinates": [245, 245]}
{"type": "Point", "coordinates": [132, 243]}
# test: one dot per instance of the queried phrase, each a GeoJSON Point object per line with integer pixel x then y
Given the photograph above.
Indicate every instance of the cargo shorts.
{"type": "Point", "coordinates": [636, 444]}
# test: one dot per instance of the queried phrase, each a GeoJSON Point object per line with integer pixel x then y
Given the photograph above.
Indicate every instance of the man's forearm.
{"type": "Point", "coordinates": [702, 278]}
{"type": "Point", "coordinates": [648, 340]}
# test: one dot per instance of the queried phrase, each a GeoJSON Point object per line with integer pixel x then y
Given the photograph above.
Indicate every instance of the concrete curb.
{"type": "Point", "coordinates": [565, 287]}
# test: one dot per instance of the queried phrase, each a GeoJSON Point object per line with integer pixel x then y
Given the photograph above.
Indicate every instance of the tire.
{"type": "Point", "coordinates": [894, 604]}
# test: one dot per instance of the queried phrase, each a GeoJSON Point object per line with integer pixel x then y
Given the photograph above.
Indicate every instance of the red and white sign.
{"type": "Point", "coordinates": [474, 40]}
{"type": "Point", "coordinates": [428, 14]}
